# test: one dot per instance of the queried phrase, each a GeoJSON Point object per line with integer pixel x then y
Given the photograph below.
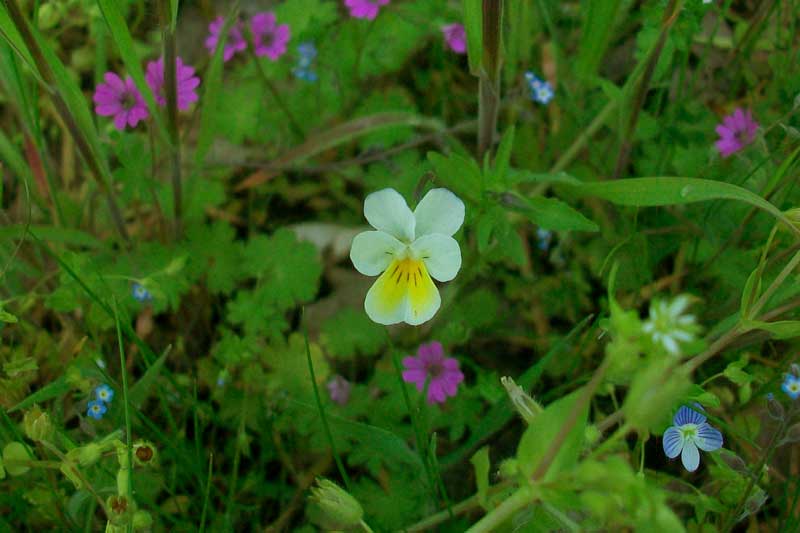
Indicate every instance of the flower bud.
{"type": "Point", "coordinates": [144, 453]}
{"type": "Point", "coordinates": [774, 408]}
{"type": "Point", "coordinates": [792, 434]}
{"type": "Point", "coordinates": [37, 424]}
{"type": "Point", "coordinates": [142, 521]}
{"type": "Point", "coordinates": [120, 510]}
{"type": "Point", "coordinates": [333, 508]}
{"type": "Point", "coordinates": [524, 404]}
{"type": "Point", "coordinates": [85, 455]}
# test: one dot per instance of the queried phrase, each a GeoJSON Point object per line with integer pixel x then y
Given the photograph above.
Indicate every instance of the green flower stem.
{"type": "Point", "coordinates": [297, 129]}
{"type": "Point", "coordinates": [489, 81]}
{"type": "Point", "coordinates": [461, 507]}
{"type": "Point", "coordinates": [326, 427]}
{"type": "Point", "coordinates": [365, 527]}
{"type": "Point", "coordinates": [128, 429]}
{"type": "Point", "coordinates": [170, 89]}
{"type": "Point", "coordinates": [88, 486]}
{"type": "Point", "coordinates": [606, 444]}
{"type": "Point", "coordinates": [503, 512]}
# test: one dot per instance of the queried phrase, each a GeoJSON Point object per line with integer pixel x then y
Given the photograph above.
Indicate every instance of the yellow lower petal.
{"type": "Point", "coordinates": [403, 293]}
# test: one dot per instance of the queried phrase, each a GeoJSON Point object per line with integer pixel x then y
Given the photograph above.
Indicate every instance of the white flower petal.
{"type": "Point", "coordinates": [441, 254]}
{"type": "Point", "coordinates": [403, 293]}
{"type": "Point", "coordinates": [440, 211]}
{"type": "Point", "coordinates": [672, 441]}
{"type": "Point", "coordinates": [671, 345]}
{"type": "Point", "coordinates": [373, 251]}
{"type": "Point", "coordinates": [690, 456]}
{"type": "Point", "coordinates": [387, 210]}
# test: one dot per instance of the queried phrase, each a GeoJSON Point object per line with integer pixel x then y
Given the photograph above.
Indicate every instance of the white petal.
{"type": "Point", "coordinates": [690, 457]}
{"type": "Point", "coordinates": [671, 345]}
{"type": "Point", "coordinates": [373, 251]}
{"type": "Point", "coordinates": [440, 211]}
{"type": "Point", "coordinates": [441, 255]}
{"type": "Point", "coordinates": [387, 210]}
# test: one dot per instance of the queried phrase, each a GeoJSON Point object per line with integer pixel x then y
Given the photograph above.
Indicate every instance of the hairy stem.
{"type": "Point", "coordinates": [489, 82]}
{"type": "Point", "coordinates": [171, 91]}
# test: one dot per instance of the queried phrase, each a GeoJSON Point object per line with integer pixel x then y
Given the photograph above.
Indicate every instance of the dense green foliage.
{"type": "Point", "coordinates": [614, 265]}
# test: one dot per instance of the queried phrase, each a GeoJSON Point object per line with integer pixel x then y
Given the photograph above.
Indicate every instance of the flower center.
{"type": "Point", "coordinates": [688, 431]}
{"type": "Point", "coordinates": [128, 100]}
{"type": "Point", "coordinates": [742, 136]}
{"type": "Point", "coordinates": [408, 271]}
{"type": "Point", "coordinates": [435, 370]}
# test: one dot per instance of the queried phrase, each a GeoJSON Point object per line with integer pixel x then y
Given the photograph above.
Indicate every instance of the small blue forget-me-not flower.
{"type": "Point", "coordinates": [791, 386]}
{"type": "Point", "coordinates": [96, 409]}
{"type": "Point", "coordinates": [304, 70]}
{"type": "Point", "coordinates": [541, 90]}
{"type": "Point", "coordinates": [104, 393]}
{"type": "Point", "coordinates": [690, 431]}
{"type": "Point", "coordinates": [140, 293]}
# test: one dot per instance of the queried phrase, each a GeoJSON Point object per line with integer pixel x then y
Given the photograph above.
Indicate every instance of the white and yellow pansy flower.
{"type": "Point", "coordinates": [407, 250]}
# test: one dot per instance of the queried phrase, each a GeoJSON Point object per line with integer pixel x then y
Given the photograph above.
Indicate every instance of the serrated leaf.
{"type": "Point", "coordinates": [459, 174]}
{"type": "Point", "coordinates": [350, 333]}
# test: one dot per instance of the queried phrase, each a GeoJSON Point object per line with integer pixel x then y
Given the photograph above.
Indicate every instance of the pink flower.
{"type": "Point", "coordinates": [269, 39]}
{"type": "Point", "coordinates": [186, 82]}
{"type": "Point", "coordinates": [339, 389]}
{"type": "Point", "coordinates": [736, 131]}
{"type": "Point", "coordinates": [441, 373]}
{"type": "Point", "coordinates": [121, 100]}
{"type": "Point", "coordinates": [364, 9]}
{"type": "Point", "coordinates": [456, 37]}
{"type": "Point", "coordinates": [235, 42]}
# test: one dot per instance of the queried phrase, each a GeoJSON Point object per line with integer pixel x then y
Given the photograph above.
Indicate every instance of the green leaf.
{"type": "Point", "coordinates": [597, 23]}
{"type": "Point", "coordinates": [212, 84]}
{"type": "Point", "coordinates": [480, 461]}
{"type": "Point", "coordinates": [15, 451]}
{"type": "Point", "coordinates": [70, 236]}
{"type": "Point", "coordinates": [549, 213]}
{"type": "Point", "coordinates": [543, 431]}
{"type": "Point", "coordinates": [349, 333]}
{"type": "Point", "coordinates": [15, 367]}
{"type": "Point", "coordinates": [502, 160]}
{"type": "Point", "coordinates": [473, 24]}
{"type": "Point", "coordinates": [660, 191]}
{"type": "Point", "coordinates": [140, 390]}
{"type": "Point", "coordinates": [781, 329]}
{"type": "Point", "coordinates": [7, 317]}
{"type": "Point", "coordinates": [54, 389]}
{"type": "Point", "coordinates": [459, 174]}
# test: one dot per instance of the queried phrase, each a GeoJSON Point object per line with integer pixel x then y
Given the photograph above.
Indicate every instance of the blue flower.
{"type": "Point", "coordinates": [543, 238]}
{"type": "Point", "coordinates": [140, 294]}
{"type": "Point", "coordinates": [96, 409]}
{"type": "Point", "coordinates": [541, 90]}
{"type": "Point", "coordinates": [791, 386]}
{"type": "Point", "coordinates": [689, 432]}
{"type": "Point", "coordinates": [104, 393]}
{"type": "Point", "coordinates": [304, 70]}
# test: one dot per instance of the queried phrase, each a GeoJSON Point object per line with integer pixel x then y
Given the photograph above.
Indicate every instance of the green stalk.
{"type": "Point", "coordinates": [170, 88]}
{"type": "Point", "coordinates": [47, 75]}
{"type": "Point", "coordinates": [489, 81]}
{"type": "Point", "coordinates": [128, 430]}
{"type": "Point", "coordinates": [326, 427]}
{"type": "Point", "coordinates": [503, 512]}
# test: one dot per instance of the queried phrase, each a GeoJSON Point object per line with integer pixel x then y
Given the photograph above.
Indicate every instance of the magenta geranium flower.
{"type": "Point", "coordinates": [364, 9]}
{"type": "Point", "coordinates": [186, 82]}
{"type": "Point", "coordinates": [736, 131]}
{"type": "Point", "coordinates": [121, 100]}
{"type": "Point", "coordinates": [235, 42]}
{"type": "Point", "coordinates": [441, 373]}
{"type": "Point", "coordinates": [269, 37]}
{"type": "Point", "coordinates": [456, 37]}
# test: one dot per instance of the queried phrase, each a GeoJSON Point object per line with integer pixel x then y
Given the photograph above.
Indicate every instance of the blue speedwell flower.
{"type": "Point", "coordinates": [140, 294]}
{"type": "Point", "coordinates": [104, 393]}
{"type": "Point", "coordinates": [689, 432]}
{"type": "Point", "coordinates": [96, 409]}
{"type": "Point", "coordinates": [791, 386]}
{"type": "Point", "coordinates": [541, 90]}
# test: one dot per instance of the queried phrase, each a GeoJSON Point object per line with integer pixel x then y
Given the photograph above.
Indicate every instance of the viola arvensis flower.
{"type": "Point", "coordinates": [407, 249]}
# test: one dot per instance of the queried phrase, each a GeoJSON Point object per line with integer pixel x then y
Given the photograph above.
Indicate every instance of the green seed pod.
{"type": "Point", "coordinates": [332, 507]}
{"type": "Point", "coordinates": [120, 510]}
{"type": "Point", "coordinates": [86, 455]}
{"type": "Point", "coordinates": [144, 453]}
{"type": "Point", "coordinates": [37, 424]}
{"type": "Point", "coordinates": [142, 521]}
